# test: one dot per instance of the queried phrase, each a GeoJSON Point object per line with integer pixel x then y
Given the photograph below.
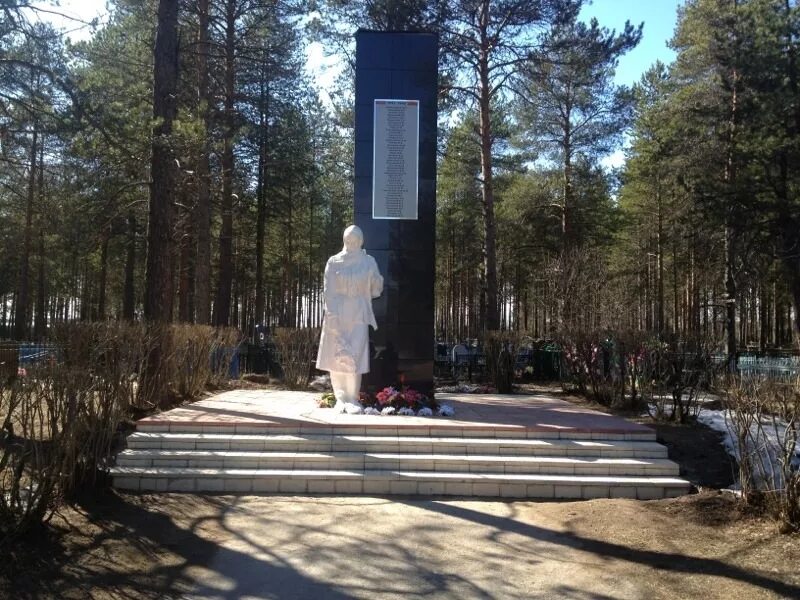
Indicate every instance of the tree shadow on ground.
{"type": "Point", "coordinates": [65, 573]}
{"type": "Point", "coordinates": [662, 561]}
{"type": "Point", "coordinates": [220, 547]}
{"type": "Point", "coordinates": [182, 559]}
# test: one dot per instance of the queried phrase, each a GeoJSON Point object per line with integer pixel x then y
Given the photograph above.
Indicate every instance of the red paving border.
{"type": "Point", "coordinates": [271, 409]}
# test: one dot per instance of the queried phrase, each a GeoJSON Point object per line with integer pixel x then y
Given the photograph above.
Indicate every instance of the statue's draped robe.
{"type": "Point", "coordinates": [352, 280]}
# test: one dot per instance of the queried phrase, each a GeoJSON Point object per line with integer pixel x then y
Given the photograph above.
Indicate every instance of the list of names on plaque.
{"type": "Point", "coordinates": [395, 159]}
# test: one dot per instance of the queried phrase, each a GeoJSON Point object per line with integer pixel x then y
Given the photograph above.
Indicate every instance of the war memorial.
{"type": "Point", "coordinates": [378, 332]}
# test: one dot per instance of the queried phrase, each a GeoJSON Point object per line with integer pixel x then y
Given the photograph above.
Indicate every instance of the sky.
{"type": "Point", "coordinates": [659, 18]}
{"type": "Point", "coordinates": [72, 16]}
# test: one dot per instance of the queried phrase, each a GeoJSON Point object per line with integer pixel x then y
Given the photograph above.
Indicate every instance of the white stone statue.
{"type": "Point", "coordinates": [352, 280]}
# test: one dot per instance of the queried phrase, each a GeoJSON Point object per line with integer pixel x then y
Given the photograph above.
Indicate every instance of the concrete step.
{"type": "Point", "coordinates": [398, 444]}
{"type": "Point", "coordinates": [476, 463]}
{"type": "Point", "coordinates": [395, 482]}
{"type": "Point", "coordinates": [449, 430]}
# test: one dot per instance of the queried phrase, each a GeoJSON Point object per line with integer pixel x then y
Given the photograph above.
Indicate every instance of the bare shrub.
{"type": "Point", "coordinates": [296, 349]}
{"type": "Point", "coordinates": [181, 361]}
{"type": "Point", "coordinates": [60, 421]}
{"type": "Point", "coordinates": [191, 352]}
{"type": "Point", "coordinates": [593, 366]}
{"type": "Point", "coordinates": [500, 349]}
{"type": "Point", "coordinates": [674, 376]}
{"type": "Point", "coordinates": [654, 371]}
{"type": "Point", "coordinates": [97, 381]}
{"type": "Point", "coordinates": [765, 420]}
{"type": "Point", "coordinates": [157, 365]}
{"type": "Point", "coordinates": [201, 357]}
{"type": "Point", "coordinates": [30, 466]}
{"type": "Point", "coordinates": [577, 361]}
{"type": "Point", "coordinates": [627, 369]}
{"type": "Point", "coordinates": [9, 361]}
{"type": "Point", "coordinates": [223, 347]}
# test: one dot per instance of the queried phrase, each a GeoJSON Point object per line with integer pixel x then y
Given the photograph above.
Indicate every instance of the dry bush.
{"type": "Point", "coordinates": [201, 357]}
{"type": "Point", "coordinates": [101, 367]}
{"type": "Point", "coordinates": [577, 359]}
{"type": "Point", "coordinates": [626, 370]}
{"type": "Point", "coordinates": [30, 458]}
{"type": "Point", "coordinates": [765, 420]}
{"type": "Point", "coordinates": [9, 361]}
{"type": "Point", "coordinates": [112, 352]}
{"type": "Point", "coordinates": [156, 375]}
{"type": "Point", "coordinates": [182, 361]}
{"type": "Point", "coordinates": [191, 351]}
{"type": "Point", "coordinates": [296, 348]}
{"type": "Point", "coordinates": [500, 348]}
{"type": "Point", "coordinates": [674, 375]}
{"type": "Point", "coordinates": [226, 341]}
{"type": "Point", "coordinates": [60, 423]}
{"type": "Point", "coordinates": [591, 367]}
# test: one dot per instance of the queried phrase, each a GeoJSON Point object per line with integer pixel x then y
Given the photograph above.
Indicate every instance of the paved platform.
{"type": "Point", "coordinates": [251, 411]}
{"type": "Point", "coordinates": [526, 446]}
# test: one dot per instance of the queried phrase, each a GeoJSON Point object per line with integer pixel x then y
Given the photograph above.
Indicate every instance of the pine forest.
{"type": "Point", "coordinates": [182, 164]}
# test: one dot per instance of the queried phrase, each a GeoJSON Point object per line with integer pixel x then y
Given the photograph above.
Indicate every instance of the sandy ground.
{"type": "Point", "coordinates": [247, 547]}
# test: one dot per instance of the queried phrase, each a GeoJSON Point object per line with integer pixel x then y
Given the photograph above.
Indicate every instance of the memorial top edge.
{"type": "Point", "coordinates": [361, 31]}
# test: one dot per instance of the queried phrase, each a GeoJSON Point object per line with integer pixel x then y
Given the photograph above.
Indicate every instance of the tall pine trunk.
{"type": "Point", "coordinates": [261, 199]}
{"type": "Point", "coordinates": [492, 317]}
{"type": "Point", "coordinates": [21, 316]}
{"type": "Point", "coordinates": [40, 316]}
{"type": "Point", "coordinates": [660, 259]}
{"type": "Point", "coordinates": [731, 235]}
{"type": "Point", "coordinates": [40, 327]}
{"type": "Point", "coordinates": [129, 291]}
{"type": "Point", "coordinates": [202, 208]}
{"type": "Point", "coordinates": [159, 286]}
{"type": "Point", "coordinates": [186, 272]}
{"type": "Point", "coordinates": [789, 232]}
{"type": "Point", "coordinates": [103, 276]}
{"type": "Point", "coordinates": [222, 305]}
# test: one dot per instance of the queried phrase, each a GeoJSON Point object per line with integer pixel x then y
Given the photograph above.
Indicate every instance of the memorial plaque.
{"type": "Point", "coordinates": [395, 159]}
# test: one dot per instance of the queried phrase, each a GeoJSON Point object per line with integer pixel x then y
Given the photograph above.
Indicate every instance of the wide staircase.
{"type": "Point", "coordinates": [430, 461]}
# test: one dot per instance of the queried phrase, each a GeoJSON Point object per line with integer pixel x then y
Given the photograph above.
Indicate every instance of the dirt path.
{"type": "Point", "coordinates": [129, 546]}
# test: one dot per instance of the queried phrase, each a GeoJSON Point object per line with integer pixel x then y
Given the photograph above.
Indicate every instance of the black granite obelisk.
{"type": "Point", "coordinates": [395, 197]}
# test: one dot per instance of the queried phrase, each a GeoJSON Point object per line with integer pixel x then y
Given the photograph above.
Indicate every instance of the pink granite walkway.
{"type": "Point", "coordinates": [251, 409]}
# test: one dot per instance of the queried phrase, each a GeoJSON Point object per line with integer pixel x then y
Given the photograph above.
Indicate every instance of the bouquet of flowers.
{"type": "Point", "coordinates": [392, 400]}
{"type": "Point", "coordinates": [403, 399]}
{"type": "Point", "coordinates": [387, 396]}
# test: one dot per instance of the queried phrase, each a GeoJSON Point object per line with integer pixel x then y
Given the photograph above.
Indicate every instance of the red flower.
{"type": "Point", "coordinates": [386, 396]}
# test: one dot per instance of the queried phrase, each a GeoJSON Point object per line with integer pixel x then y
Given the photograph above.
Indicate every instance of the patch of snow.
{"type": "Point", "coordinates": [764, 444]}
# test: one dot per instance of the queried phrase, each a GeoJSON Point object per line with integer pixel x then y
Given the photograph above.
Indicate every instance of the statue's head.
{"type": "Point", "coordinates": [353, 238]}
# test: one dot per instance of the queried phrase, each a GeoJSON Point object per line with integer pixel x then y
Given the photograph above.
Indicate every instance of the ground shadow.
{"type": "Point", "coordinates": [150, 531]}
{"type": "Point", "coordinates": [664, 561]}
{"type": "Point", "coordinates": [203, 568]}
